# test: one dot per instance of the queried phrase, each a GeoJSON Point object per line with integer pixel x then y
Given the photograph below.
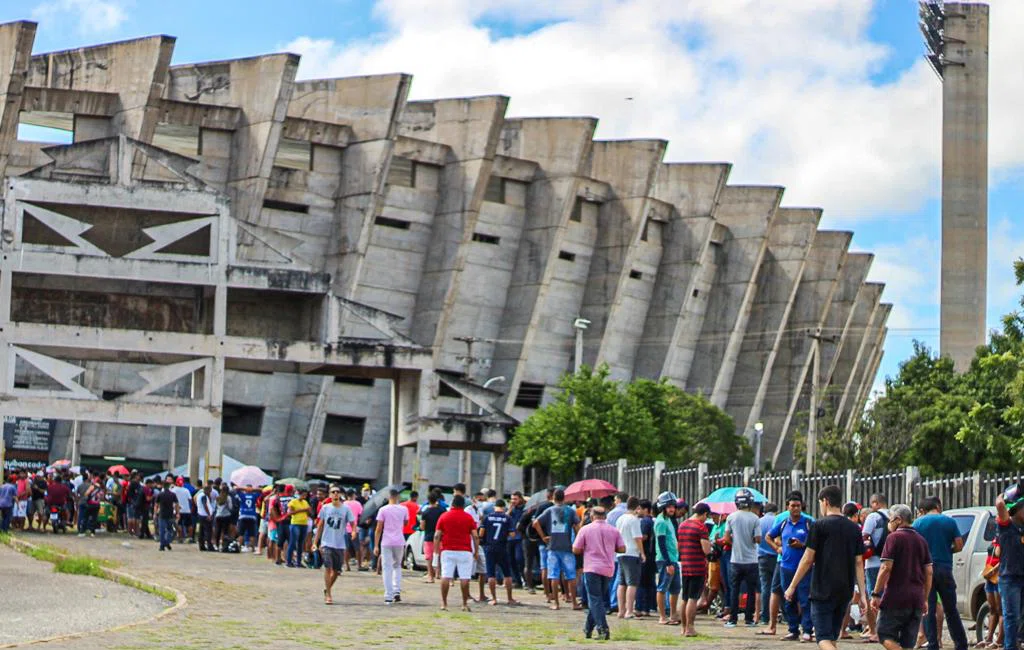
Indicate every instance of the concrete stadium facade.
{"type": "Point", "coordinates": [320, 277]}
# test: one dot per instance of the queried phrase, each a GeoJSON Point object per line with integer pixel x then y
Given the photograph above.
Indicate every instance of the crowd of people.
{"type": "Point", "coordinates": [875, 573]}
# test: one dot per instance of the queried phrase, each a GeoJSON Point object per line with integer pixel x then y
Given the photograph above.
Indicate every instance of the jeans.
{"type": "Point", "coordinates": [724, 564]}
{"type": "Point", "coordinates": [515, 555]}
{"type": "Point", "coordinates": [597, 586]}
{"type": "Point", "coordinates": [613, 590]}
{"type": "Point", "coordinates": [296, 544]}
{"type": "Point", "coordinates": [765, 571]}
{"type": "Point", "coordinates": [205, 533]}
{"type": "Point", "coordinates": [165, 528]}
{"type": "Point", "coordinates": [1011, 590]}
{"type": "Point", "coordinates": [742, 577]}
{"type": "Point", "coordinates": [794, 617]}
{"type": "Point", "coordinates": [81, 517]}
{"type": "Point", "coordinates": [5, 518]}
{"type": "Point", "coordinates": [944, 587]}
{"type": "Point", "coordinates": [531, 555]}
{"type": "Point", "coordinates": [92, 514]}
{"type": "Point", "coordinates": [391, 571]}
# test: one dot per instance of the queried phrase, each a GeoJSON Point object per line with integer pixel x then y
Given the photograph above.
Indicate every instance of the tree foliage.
{"type": "Point", "coordinates": [642, 421]}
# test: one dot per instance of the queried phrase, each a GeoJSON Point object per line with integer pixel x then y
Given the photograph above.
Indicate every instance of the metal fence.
{"type": "Point", "coordinates": [811, 484]}
{"type": "Point", "coordinates": [956, 491]}
{"type": "Point", "coordinates": [684, 482]}
{"type": "Point", "coordinates": [892, 485]}
{"type": "Point", "coordinates": [729, 478]}
{"type": "Point", "coordinates": [774, 487]}
{"type": "Point", "coordinates": [638, 481]}
{"type": "Point", "coordinates": [605, 471]}
{"type": "Point", "coordinates": [991, 485]}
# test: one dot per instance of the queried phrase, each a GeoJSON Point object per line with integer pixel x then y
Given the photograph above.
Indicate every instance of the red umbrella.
{"type": "Point", "coordinates": [118, 469]}
{"type": "Point", "coordinates": [589, 488]}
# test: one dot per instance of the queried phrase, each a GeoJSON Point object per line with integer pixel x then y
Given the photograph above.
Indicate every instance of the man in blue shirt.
{"type": "Point", "coordinates": [944, 539]}
{"type": "Point", "coordinates": [767, 558]}
{"type": "Point", "coordinates": [789, 537]}
{"type": "Point", "coordinates": [8, 494]}
{"type": "Point", "coordinates": [495, 530]}
{"type": "Point", "coordinates": [247, 517]}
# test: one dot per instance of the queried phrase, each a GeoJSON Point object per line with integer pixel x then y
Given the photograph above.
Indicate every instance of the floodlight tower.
{"type": "Point", "coordinates": [956, 35]}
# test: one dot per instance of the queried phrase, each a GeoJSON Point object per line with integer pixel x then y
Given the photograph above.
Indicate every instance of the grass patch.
{"type": "Point", "coordinates": [155, 590]}
{"type": "Point", "coordinates": [79, 565]}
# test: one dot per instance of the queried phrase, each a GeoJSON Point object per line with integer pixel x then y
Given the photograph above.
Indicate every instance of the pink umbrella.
{"type": "Point", "coordinates": [118, 469]}
{"type": "Point", "coordinates": [589, 488]}
{"type": "Point", "coordinates": [250, 476]}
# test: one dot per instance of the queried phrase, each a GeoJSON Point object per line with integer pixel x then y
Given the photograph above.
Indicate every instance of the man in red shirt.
{"type": "Point", "coordinates": [456, 537]}
{"type": "Point", "coordinates": [413, 506]}
{"type": "Point", "coordinates": [694, 547]}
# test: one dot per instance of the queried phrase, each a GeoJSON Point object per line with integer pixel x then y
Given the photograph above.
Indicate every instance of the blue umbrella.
{"type": "Point", "coordinates": [723, 500]}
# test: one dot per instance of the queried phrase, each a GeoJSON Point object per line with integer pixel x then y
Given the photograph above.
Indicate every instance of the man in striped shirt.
{"type": "Point", "coordinates": [694, 547]}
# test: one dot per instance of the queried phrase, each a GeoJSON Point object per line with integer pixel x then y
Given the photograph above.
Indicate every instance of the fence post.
{"type": "Point", "coordinates": [587, 462]}
{"type": "Point", "coordinates": [702, 473]}
{"type": "Point", "coordinates": [913, 475]}
{"type": "Point", "coordinates": [794, 484]}
{"type": "Point", "coordinates": [976, 488]}
{"type": "Point", "coordinates": [659, 467]}
{"type": "Point", "coordinates": [851, 478]}
{"type": "Point", "coordinates": [748, 474]}
{"type": "Point", "coordinates": [620, 475]}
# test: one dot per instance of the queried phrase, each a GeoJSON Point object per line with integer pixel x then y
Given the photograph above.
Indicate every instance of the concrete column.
{"type": "Point", "coordinates": [659, 468]}
{"type": "Point", "coordinates": [964, 180]}
{"type": "Point", "coordinates": [702, 472]}
{"type": "Point", "coordinates": [421, 467]}
{"type": "Point", "coordinates": [620, 474]}
{"type": "Point", "coordinates": [840, 315]}
{"type": "Point", "coordinates": [911, 478]}
{"type": "Point", "coordinates": [747, 213]}
{"type": "Point", "coordinates": [15, 51]}
{"type": "Point", "coordinates": [851, 479]}
{"type": "Point", "coordinates": [853, 352]}
{"type": "Point", "coordinates": [498, 472]}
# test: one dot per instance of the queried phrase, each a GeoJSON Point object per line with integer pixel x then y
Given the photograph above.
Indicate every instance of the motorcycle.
{"type": "Point", "coordinates": [57, 520]}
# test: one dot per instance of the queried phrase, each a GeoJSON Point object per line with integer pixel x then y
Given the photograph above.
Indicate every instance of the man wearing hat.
{"type": "Point", "coordinates": [1010, 520]}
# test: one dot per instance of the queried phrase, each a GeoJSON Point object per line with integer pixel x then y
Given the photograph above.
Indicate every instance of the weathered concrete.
{"type": "Point", "coordinates": [835, 331]}
{"type": "Point", "coordinates": [964, 181]}
{"type": "Point", "coordinates": [15, 51]}
{"type": "Point", "coordinates": [864, 378]}
{"type": "Point", "coordinates": [789, 243]}
{"type": "Point", "coordinates": [840, 396]}
{"type": "Point", "coordinates": [747, 212]}
{"type": "Point", "coordinates": [791, 381]}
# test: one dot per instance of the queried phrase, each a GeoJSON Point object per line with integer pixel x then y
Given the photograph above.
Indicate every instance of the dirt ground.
{"type": "Point", "coordinates": [243, 602]}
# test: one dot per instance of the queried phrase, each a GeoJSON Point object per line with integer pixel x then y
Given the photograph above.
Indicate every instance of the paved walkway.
{"type": "Point", "coordinates": [36, 602]}
{"type": "Point", "coordinates": [242, 601]}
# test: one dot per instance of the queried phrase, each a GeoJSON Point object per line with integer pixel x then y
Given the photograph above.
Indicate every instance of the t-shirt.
{"type": "Point", "coordinates": [874, 525]}
{"type": "Point", "coordinates": [744, 526]}
{"type": "Point", "coordinates": [787, 530]}
{"type": "Point", "coordinates": [410, 524]}
{"type": "Point", "coordinates": [357, 511]}
{"type": "Point", "coordinates": [428, 520]}
{"type": "Point", "coordinates": [496, 527]}
{"type": "Point", "coordinates": [57, 494]}
{"type": "Point", "coordinates": [691, 551]}
{"type": "Point", "coordinates": [599, 540]}
{"type": "Point", "coordinates": [665, 540]}
{"type": "Point", "coordinates": [557, 523]}
{"type": "Point", "coordinates": [456, 528]}
{"type": "Point", "coordinates": [336, 520]}
{"type": "Point", "coordinates": [764, 549]}
{"type": "Point", "coordinates": [247, 505]}
{"type": "Point", "coordinates": [283, 501]}
{"type": "Point", "coordinates": [299, 518]}
{"type": "Point", "coordinates": [647, 528]}
{"type": "Point", "coordinates": [205, 504]}
{"type": "Point", "coordinates": [393, 516]}
{"type": "Point", "coordinates": [8, 495]}
{"type": "Point", "coordinates": [908, 552]}
{"type": "Point", "coordinates": [38, 487]}
{"type": "Point", "coordinates": [836, 542]}
{"type": "Point", "coordinates": [184, 499]}
{"type": "Point", "coordinates": [628, 526]}
{"type": "Point", "coordinates": [616, 512]}
{"type": "Point", "coordinates": [940, 531]}
{"type": "Point", "coordinates": [1011, 549]}
{"type": "Point", "coordinates": [165, 504]}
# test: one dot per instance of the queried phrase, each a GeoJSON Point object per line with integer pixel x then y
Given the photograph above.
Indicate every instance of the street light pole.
{"type": "Point", "coordinates": [580, 324]}
{"type": "Point", "coordinates": [758, 436]}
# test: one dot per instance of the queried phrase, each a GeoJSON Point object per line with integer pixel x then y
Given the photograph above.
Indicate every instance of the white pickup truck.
{"type": "Point", "coordinates": [978, 529]}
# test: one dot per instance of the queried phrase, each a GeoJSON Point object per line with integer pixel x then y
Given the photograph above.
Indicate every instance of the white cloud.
{"type": "Point", "coordinates": [91, 17]}
{"type": "Point", "coordinates": [910, 271]}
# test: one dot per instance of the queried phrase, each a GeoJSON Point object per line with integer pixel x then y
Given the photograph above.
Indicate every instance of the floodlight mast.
{"type": "Point", "coordinates": [931, 18]}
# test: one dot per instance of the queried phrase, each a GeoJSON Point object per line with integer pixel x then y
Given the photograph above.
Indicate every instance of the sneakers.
{"type": "Point", "coordinates": [603, 634]}
{"type": "Point", "coordinates": [389, 602]}
{"type": "Point", "coordinates": [752, 624]}
{"type": "Point", "coordinates": [730, 624]}
{"type": "Point", "coordinates": [588, 633]}
{"type": "Point", "coordinates": [398, 598]}
{"type": "Point", "coordinates": [805, 638]}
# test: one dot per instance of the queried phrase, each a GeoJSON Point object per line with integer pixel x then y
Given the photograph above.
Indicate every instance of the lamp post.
{"type": "Point", "coordinates": [758, 436]}
{"type": "Point", "coordinates": [580, 324]}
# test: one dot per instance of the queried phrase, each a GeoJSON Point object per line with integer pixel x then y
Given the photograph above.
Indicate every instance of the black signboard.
{"type": "Point", "coordinates": [28, 434]}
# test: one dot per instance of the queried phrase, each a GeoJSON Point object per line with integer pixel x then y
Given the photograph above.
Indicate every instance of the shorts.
{"type": "Point", "coordinates": [20, 509]}
{"type": "Point", "coordinates": [899, 625]}
{"type": "Point", "coordinates": [263, 526]}
{"type": "Point", "coordinates": [132, 511]}
{"type": "Point", "coordinates": [366, 536]}
{"type": "Point", "coordinates": [39, 507]}
{"type": "Point", "coordinates": [777, 580]}
{"type": "Point", "coordinates": [333, 557]}
{"type": "Point", "coordinates": [497, 558]}
{"type": "Point", "coordinates": [991, 587]}
{"type": "Point", "coordinates": [480, 564]}
{"type": "Point", "coordinates": [828, 617]}
{"type": "Point", "coordinates": [452, 561]}
{"type": "Point", "coordinates": [561, 564]}
{"type": "Point", "coordinates": [629, 570]}
{"type": "Point", "coordinates": [714, 575]}
{"type": "Point", "coordinates": [668, 584]}
{"type": "Point", "coordinates": [185, 519]}
{"type": "Point", "coordinates": [274, 536]}
{"type": "Point", "coordinates": [428, 551]}
{"type": "Point", "coordinates": [542, 550]}
{"type": "Point", "coordinates": [870, 577]}
{"type": "Point", "coordinates": [692, 587]}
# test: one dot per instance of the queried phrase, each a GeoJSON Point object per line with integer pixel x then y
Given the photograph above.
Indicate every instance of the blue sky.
{"type": "Point", "coordinates": [830, 99]}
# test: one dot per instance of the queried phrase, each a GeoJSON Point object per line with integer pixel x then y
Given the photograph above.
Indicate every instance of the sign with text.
{"type": "Point", "coordinates": [28, 434]}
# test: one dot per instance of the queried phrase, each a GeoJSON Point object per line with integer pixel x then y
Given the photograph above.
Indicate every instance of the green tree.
{"type": "Point", "coordinates": [642, 421]}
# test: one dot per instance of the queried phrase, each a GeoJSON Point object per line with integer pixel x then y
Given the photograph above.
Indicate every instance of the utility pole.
{"type": "Point", "coordinates": [580, 325]}
{"type": "Point", "coordinates": [466, 455]}
{"type": "Point", "coordinates": [812, 424]}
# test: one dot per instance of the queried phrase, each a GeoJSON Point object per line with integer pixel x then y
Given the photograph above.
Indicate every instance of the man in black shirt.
{"type": "Point", "coordinates": [428, 524]}
{"type": "Point", "coordinates": [1010, 520]}
{"type": "Point", "coordinates": [835, 549]}
{"type": "Point", "coordinates": [166, 515]}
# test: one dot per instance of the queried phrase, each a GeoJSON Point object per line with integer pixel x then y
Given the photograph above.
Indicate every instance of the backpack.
{"type": "Point", "coordinates": [877, 548]}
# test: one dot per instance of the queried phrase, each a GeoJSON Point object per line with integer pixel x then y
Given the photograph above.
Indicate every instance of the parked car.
{"type": "Point", "coordinates": [978, 529]}
{"type": "Point", "coordinates": [413, 558]}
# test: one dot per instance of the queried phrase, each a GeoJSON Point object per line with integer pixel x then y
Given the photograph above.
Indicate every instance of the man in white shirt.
{"type": "Point", "coordinates": [628, 525]}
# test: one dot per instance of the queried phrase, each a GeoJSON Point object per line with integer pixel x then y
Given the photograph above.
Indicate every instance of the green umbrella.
{"type": "Point", "coordinates": [297, 482]}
